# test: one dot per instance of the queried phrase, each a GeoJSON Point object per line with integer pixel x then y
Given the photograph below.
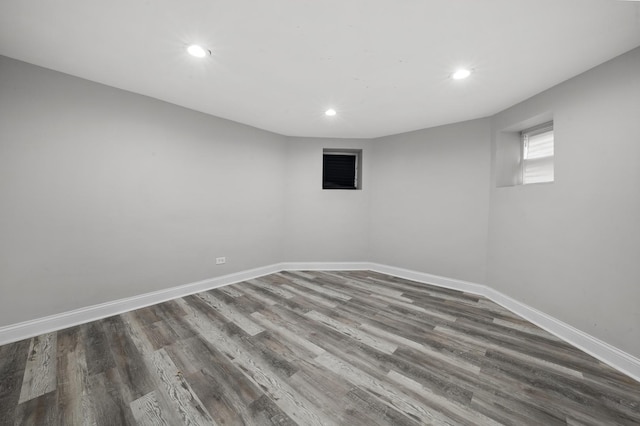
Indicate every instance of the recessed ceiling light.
{"type": "Point", "coordinates": [198, 51]}
{"type": "Point", "coordinates": [461, 74]}
{"type": "Point", "coordinates": [330, 112]}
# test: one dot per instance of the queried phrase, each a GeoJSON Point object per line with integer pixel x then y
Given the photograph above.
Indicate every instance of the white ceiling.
{"type": "Point", "coordinates": [384, 65]}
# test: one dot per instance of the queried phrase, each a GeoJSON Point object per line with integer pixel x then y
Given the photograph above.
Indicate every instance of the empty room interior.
{"type": "Point", "coordinates": [365, 212]}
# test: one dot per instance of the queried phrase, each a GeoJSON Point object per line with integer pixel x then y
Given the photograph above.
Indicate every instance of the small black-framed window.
{"type": "Point", "coordinates": [341, 169]}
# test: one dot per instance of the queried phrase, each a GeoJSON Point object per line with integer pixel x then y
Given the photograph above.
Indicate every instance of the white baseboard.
{"type": "Point", "coordinates": [27, 329]}
{"type": "Point", "coordinates": [604, 352]}
{"type": "Point", "coordinates": [326, 266]}
{"type": "Point", "coordinates": [595, 347]}
{"type": "Point", "coordinates": [422, 277]}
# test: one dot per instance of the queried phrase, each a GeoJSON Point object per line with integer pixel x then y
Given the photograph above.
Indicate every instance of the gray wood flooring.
{"type": "Point", "coordinates": [312, 348]}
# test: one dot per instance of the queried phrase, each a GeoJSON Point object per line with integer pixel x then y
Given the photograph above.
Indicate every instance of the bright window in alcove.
{"type": "Point", "coordinates": [537, 154]}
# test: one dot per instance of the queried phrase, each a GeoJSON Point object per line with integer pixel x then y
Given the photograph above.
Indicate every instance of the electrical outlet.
{"type": "Point", "coordinates": [221, 260]}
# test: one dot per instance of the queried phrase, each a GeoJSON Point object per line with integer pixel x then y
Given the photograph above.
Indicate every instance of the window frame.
{"type": "Point", "coordinates": [525, 135]}
{"type": "Point", "coordinates": [357, 153]}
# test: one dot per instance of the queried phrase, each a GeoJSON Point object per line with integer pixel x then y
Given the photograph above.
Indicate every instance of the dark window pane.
{"type": "Point", "coordinates": [339, 172]}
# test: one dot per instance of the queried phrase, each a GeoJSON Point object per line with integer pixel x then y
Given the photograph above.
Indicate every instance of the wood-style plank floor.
{"type": "Point", "coordinates": [312, 348]}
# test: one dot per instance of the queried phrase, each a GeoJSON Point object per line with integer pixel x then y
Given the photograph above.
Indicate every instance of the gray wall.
{"type": "Point", "coordinates": [107, 194]}
{"type": "Point", "coordinates": [572, 248]}
{"type": "Point", "coordinates": [430, 200]}
{"type": "Point", "coordinates": [325, 225]}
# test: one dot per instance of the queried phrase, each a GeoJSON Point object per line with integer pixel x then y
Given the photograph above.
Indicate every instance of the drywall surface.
{"type": "Point", "coordinates": [106, 194]}
{"type": "Point", "coordinates": [325, 225]}
{"type": "Point", "coordinates": [430, 200]}
{"type": "Point", "coordinates": [571, 248]}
